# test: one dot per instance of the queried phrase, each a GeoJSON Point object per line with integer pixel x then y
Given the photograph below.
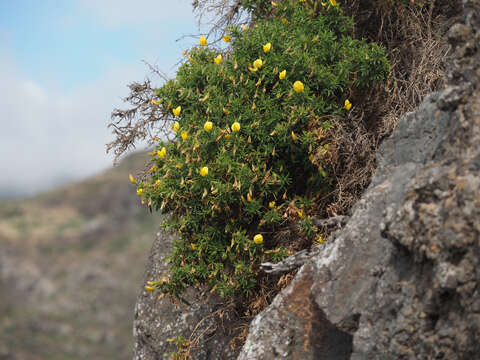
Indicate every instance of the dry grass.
{"type": "Point", "coordinates": [419, 54]}
{"type": "Point", "coordinates": [417, 49]}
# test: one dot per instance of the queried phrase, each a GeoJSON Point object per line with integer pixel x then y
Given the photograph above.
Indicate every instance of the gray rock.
{"type": "Point", "coordinates": [158, 320]}
{"type": "Point", "coordinates": [400, 280]}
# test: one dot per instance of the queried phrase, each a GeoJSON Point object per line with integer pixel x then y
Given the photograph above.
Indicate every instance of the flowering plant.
{"type": "Point", "coordinates": [252, 140]}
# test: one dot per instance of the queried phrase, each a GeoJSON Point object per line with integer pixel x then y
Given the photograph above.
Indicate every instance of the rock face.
{"type": "Point", "coordinates": [400, 280]}
{"type": "Point", "coordinates": [158, 320]}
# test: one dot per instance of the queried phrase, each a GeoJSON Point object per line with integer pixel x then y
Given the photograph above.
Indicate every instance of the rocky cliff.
{"type": "Point", "coordinates": [400, 279]}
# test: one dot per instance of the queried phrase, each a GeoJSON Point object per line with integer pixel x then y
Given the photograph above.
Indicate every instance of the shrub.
{"type": "Point", "coordinates": [251, 146]}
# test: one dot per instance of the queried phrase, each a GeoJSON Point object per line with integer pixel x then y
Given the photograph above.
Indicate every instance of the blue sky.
{"type": "Point", "coordinates": [64, 65]}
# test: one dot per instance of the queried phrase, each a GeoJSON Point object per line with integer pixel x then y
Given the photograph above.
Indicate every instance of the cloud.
{"type": "Point", "coordinates": [127, 12]}
{"type": "Point", "coordinates": [48, 137]}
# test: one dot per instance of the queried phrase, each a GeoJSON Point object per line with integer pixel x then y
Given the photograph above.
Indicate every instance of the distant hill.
{"type": "Point", "coordinates": [71, 262]}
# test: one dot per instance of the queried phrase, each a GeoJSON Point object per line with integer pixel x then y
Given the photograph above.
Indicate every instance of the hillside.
{"type": "Point", "coordinates": [67, 284]}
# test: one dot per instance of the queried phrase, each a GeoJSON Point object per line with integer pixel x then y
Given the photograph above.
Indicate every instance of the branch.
{"type": "Point", "coordinates": [301, 257]}
{"type": "Point", "coordinates": [290, 263]}
{"type": "Point", "coordinates": [329, 223]}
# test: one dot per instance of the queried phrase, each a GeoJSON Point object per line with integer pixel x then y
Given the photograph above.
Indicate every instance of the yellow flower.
{"type": "Point", "coordinates": [294, 136]}
{"type": "Point", "coordinates": [177, 111]}
{"type": "Point", "coordinates": [155, 102]}
{"type": "Point", "coordinates": [302, 0]}
{"type": "Point", "coordinates": [300, 213]}
{"type": "Point", "coordinates": [271, 204]}
{"type": "Point", "coordinates": [208, 126]}
{"type": "Point", "coordinates": [162, 152]}
{"type": "Point", "coordinates": [158, 182]}
{"type": "Point", "coordinates": [151, 283]}
{"type": "Point", "coordinates": [267, 47]}
{"type": "Point", "coordinates": [236, 126]}
{"type": "Point", "coordinates": [333, 2]}
{"type": "Point", "coordinates": [184, 135]}
{"type": "Point", "coordinates": [179, 166]}
{"type": "Point", "coordinates": [252, 69]}
{"type": "Point", "coordinates": [298, 86]}
{"type": "Point", "coordinates": [149, 288]}
{"type": "Point", "coordinates": [204, 171]}
{"type": "Point", "coordinates": [258, 63]}
{"type": "Point", "coordinates": [218, 59]}
{"type": "Point", "coordinates": [131, 178]}
{"type": "Point", "coordinates": [226, 38]}
{"type": "Point", "coordinates": [203, 41]}
{"type": "Point", "coordinates": [348, 105]}
{"type": "Point", "coordinates": [258, 239]}
{"type": "Point", "coordinates": [274, 4]}
{"type": "Point", "coordinates": [284, 20]}
{"type": "Point", "coordinates": [244, 28]}
{"type": "Point", "coordinates": [176, 126]}
{"type": "Point", "coordinates": [282, 74]}
{"type": "Point", "coordinates": [139, 191]}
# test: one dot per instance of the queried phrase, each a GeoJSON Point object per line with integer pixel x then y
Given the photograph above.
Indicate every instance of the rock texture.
{"type": "Point", "coordinates": [158, 320]}
{"type": "Point", "coordinates": [400, 280]}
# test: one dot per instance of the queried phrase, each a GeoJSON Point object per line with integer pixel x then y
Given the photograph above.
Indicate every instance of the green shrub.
{"type": "Point", "coordinates": [264, 174]}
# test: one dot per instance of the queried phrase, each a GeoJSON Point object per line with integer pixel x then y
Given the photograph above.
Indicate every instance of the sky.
{"type": "Point", "coordinates": [64, 66]}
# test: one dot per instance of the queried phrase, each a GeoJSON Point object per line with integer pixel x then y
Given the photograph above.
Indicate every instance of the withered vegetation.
{"type": "Point", "coordinates": [413, 35]}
